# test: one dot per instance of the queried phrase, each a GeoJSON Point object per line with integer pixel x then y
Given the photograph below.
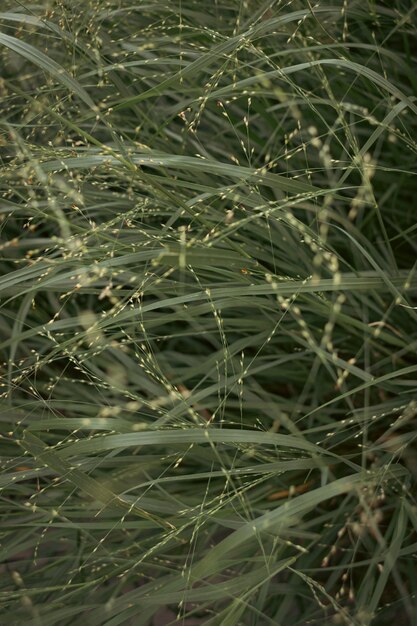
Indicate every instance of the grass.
{"type": "Point", "coordinates": [208, 285]}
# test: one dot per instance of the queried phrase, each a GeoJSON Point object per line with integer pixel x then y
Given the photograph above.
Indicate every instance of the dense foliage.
{"type": "Point", "coordinates": [208, 332]}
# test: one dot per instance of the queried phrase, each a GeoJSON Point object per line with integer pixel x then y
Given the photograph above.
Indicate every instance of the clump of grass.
{"type": "Point", "coordinates": [208, 327]}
